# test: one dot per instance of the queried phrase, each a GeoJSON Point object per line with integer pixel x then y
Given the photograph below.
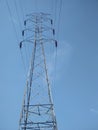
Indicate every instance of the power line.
{"type": "Point", "coordinates": [58, 28]}
{"type": "Point", "coordinates": [12, 20]}
{"type": "Point", "coordinates": [59, 19]}
{"type": "Point", "coordinates": [15, 31]}
{"type": "Point", "coordinates": [26, 47]}
{"type": "Point", "coordinates": [17, 14]}
{"type": "Point", "coordinates": [22, 57]}
{"type": "Point", "coordinates": [55, 10]}
{"type": "Point", "coordinates": [22, 12]}
{"type": "Point", "coordinates": [20, 30]}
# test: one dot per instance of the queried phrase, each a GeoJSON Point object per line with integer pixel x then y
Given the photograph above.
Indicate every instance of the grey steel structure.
{"type": "Point", "coordinates": [37, 109]}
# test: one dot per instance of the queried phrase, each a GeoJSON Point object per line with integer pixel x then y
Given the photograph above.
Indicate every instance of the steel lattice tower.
{"type": "Point", "coordinates": [37, 109]}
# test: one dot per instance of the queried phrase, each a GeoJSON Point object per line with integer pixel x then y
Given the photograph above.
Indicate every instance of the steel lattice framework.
{"type": "Point", "coordinates": [37, 109]}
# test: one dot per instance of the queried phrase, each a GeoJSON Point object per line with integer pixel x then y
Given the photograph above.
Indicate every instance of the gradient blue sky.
{"type": "Point", "coordinates": [75, 90]}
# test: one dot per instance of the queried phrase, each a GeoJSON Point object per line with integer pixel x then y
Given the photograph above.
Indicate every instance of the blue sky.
{"type": "Point", "coordinates": [75, 78]}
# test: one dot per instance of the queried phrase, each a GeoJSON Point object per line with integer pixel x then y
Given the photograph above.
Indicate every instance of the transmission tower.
{"type": "Point", "coordinates": [37, 109]}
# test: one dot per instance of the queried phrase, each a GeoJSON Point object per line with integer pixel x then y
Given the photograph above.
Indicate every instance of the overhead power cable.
{"type": "Point", "coordinates": [55, 11]}
{"type": "Point", "coordinates": [59, 18]}
{"type": "Point", "coordinates": [17, 14]}
{"type": "Point", "coordinates": [26, 49]}
{"type": "Point", "coordinates": [54, 5]}
{"type": "Point", "coordinates": [14, 28]}
{"type": "Point", "coordinates": [12, 20]}
{"type": "Point", "coordinates": [22, 57]}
